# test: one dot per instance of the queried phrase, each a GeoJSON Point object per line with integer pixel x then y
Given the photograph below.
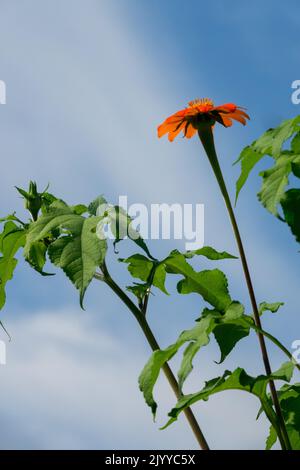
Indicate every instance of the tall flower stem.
{"type": "Point", "coordinates": [141, 319]}
{"type": "Point", "coordinates": [207, 139]}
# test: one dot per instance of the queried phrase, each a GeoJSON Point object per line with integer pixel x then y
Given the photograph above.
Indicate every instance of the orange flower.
{"type": "Point", "coordinates": [199, 111]}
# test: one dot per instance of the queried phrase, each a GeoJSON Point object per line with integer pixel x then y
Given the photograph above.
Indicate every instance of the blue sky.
{"type": "Point", "coordinates": [87, 84]}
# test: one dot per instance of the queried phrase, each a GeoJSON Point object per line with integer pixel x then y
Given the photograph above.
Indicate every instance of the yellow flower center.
{"type": "Point", "coordinates": [201, 102]}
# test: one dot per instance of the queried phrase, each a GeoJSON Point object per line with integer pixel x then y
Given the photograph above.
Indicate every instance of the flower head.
{"type": "Point", "coordinates": [200, 111]}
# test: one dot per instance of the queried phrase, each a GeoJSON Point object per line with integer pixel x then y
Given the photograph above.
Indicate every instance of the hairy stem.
{"type": "Point", "coordinates": [206, 137]}
{"type": "Point", "coordinates": [140, 317]}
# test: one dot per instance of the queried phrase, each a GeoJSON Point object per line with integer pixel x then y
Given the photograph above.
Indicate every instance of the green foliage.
{"type": "Point", "coordinates": [73, 238]}
{"type": "Point", "coordinates": [210, 284]}
{"type": "Point", "coordinates": [154, 272]}
{"type": "Point", "coordinates": [119, 222]}
{"type": "Point", "coordinates": [248, 158]}
{"type": "Point", "coordinates": [209, 253]}
{"type": "Point", "coordinates": [36, 257]}
{"type": "Point", "coordinates": [11, 239]}
{"type": "Point", "coordinates": [196, 337]}
{"type": "Point", "coordinates": [236, 380]}
{"type": "Point", "coordinates": [275, 181]}
{"type": "Point", "coordinates": [78, 251]}
{"type": "Point", "coordinates": [228, 329]}
{"type": "Point", "coordinates": [289, 398]}
{"type": "Point", "coordinates": [290, 204]}
{"type": "Point", "coordinates": [273, 307]}
{"type": "Point", "coordinates": [273, 194]}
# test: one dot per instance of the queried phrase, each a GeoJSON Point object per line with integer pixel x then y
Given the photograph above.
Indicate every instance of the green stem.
{"type": "Point", "coordinates": [140, 317]}
{"type": "Point", "coordinates": [278, 344]}
{"type": "Point", "coordinates": [144, 305]}
{"type": "Point", "coordinates": [207, 139]}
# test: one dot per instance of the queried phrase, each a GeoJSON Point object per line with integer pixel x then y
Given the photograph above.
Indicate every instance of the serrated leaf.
{"type": "Point", "coordinates": [159, 278]}
{"type": "Point", "coordinates": [9, 217]}
{"type": "Point", "coordinates": [275, 181]}
{"type": "Point", "coordinates": [47, 200]}
{"type": "Point", "coordinates": [271, 307]}
{"type": "Point", "coordinates": [270, 143]}
{"type": "Point", "coordinates": [230, 328]}
{"type": "Point", "coordinates": [119, 222]}
{"type": "Point", "coordinates": [285, 372]}
{"type": "Point", "coordinates": [210, 284]}
{"type": "Point", "coordinates": [271, 439]}
{"type": "Point", "coordinates": [79, 252]}
{"type": "Point", "coordinates": [37, 257]}
{"type": "Point", "coordinates": [290, 204]}
{"type": "Point", "coordinates": [289, 398]}
{"type": "Point", "coordinates": [196, 338]}
{"type": "Point", "coordinates": [97, 206]}
{"type": "Point", "coordinates": [139, 266]}
{"type": "Point", "coordinates": [149, 375]}
{"type": "Point", "coordinates": [209, 253]}
{"type": "Point", "coordinates": [139, 290]}
{"type": "Point", "coordinates": [272, 140]}
{"type": "Point", "coordinates": [11, 239]}
{"type": "Point", "coordinates": [236, 380]}
{"type": "Point", "coordinates": [249, 157]}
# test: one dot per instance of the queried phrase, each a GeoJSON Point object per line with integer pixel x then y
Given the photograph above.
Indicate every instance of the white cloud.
{"type": "Point", "coordinates": [68, 384]}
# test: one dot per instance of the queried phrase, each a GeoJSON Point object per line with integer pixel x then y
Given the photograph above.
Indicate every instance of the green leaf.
{"type": "Point", "coordinates": [295, 144]}
{"type": "Point", "coordinates": [11, 239]}
{"type": "Point", "coordinates": [139, 290]}
{"type": "Point", "coordinates": [289, 398]}
{"type": "Point", "coordinates": [249, 157]}
{"type": "Point", "coordinates": [273, 307]}
{"type": "Point", "coordinates": [291, 209]}
{"type": "Point", "coordinates": [209, 253]}
{"type": "Point", "coordinates": [285, 372]}
{"type": "Point", "coordinates": [197, 337]}
{"type": "Point", "coordinates": [139, 266]}
{"type": "Point", "coordinates": [37, 257]}
{"type": "Point", "coordinates": [10, 217]}
{"type": "Point", "coordinates": [149, 375]}
{"type": "Point", "coordinates": [210, 284]}
{"type": "Point", "coordinates": [79, 209]}
{"type": "Point", "coordinates": [79, 252]}
{"type": "Point", "coordinates": [47, 200]}
{"type": "Point", "coordinates": [97, 206]}
{"type": "Point", "coordinates": [296, 169]}
{"type": "Point", "coordinates": [275, 181]}
{"type": "Point", "coordinates": [120, 223]}
{"type": "Point", "coordinates": [270, 143]}
{"type": "Point", "coordinates": [159, 278]}
{"type": "Point", "coordinates": [236, 380]}
{"type": "Point", "coordinates": [272, 438]}
{"type": "Point", "coordinates": [229, 331]}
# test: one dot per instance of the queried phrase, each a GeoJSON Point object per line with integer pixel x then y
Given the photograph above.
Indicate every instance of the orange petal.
{"type": "Point", "coordinates": [173, 133]}
{"type": "Point", "coordinates": [227, 108]}
{"type": "Point", "coordinates": [190, 131]}
{"type": "Point", "coordinates": [237, 117]}
{"type": "Point", "coordinates": [240, 111]}
{"type": "Point", "coordinates": [226, 120]}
